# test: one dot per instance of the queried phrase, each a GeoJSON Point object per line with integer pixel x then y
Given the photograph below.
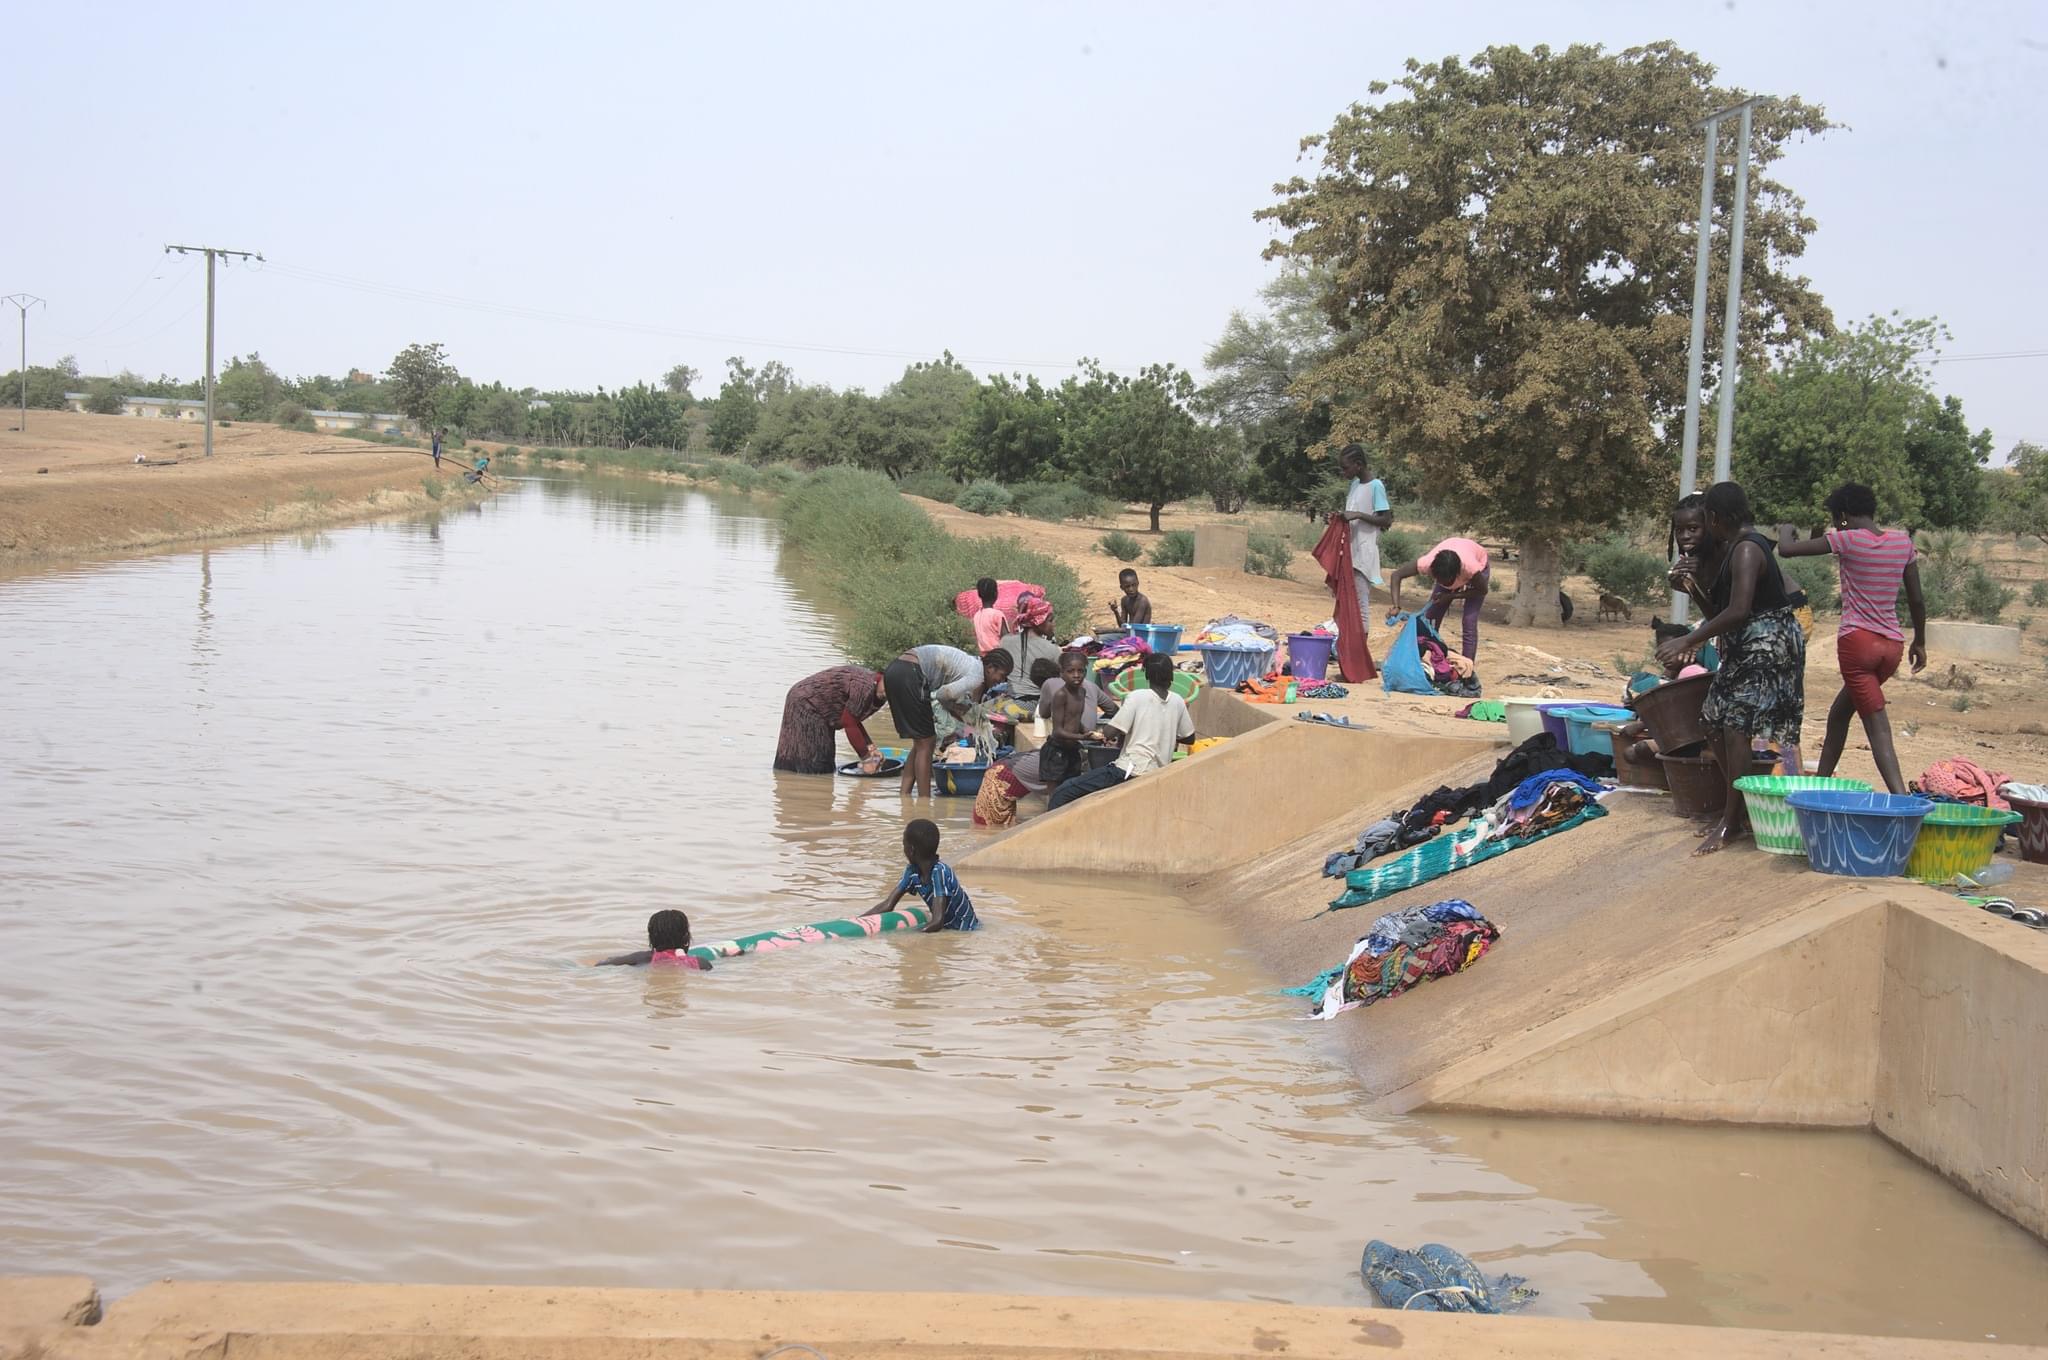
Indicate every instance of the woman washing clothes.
{"type": "Point", "coordinates": [1760, 690]}
{"type": "Point", "coordinates": [841, 699]}
{"type": "Point", "coordinates": [1032, 642]}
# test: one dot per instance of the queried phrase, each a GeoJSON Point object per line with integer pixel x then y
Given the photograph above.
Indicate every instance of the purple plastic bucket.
{"type": "Point", "coordinates": [1308, 655]}
{"type": "Point", "coordinates": [1556, 726]}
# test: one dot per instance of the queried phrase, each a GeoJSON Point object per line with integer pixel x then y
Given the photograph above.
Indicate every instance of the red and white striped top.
{"type": "Point", "coordinates": [1873, 561]}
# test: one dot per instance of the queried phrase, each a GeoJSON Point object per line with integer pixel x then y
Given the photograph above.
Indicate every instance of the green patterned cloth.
{"type": "Point", "coordinates": [850, 928]}
{"type": "Point", "coordinates": [1444, 855]}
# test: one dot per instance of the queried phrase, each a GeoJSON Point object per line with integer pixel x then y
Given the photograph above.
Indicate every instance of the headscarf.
{"type": "Point", "coordinates": [1034, 610]}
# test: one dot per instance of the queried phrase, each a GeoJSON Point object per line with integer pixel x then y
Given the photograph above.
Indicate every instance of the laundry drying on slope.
{"type": "Point", "coordinates": [1403, 948]}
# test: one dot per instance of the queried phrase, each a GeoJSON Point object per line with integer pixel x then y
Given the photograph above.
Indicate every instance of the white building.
{"type": "Point", "coordinates": [155, 408]}
{"type": "Point", "coordinates": [386, 421]}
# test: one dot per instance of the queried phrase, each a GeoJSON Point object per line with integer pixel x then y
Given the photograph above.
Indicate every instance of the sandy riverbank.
{"type": "Point", "coordinates": [70, 486]}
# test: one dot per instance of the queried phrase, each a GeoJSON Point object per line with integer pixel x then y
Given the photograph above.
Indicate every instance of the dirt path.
{"type": "Point", "coordinates": [70, 486]}
{"type": "Point", "coordinates": [1996, 715]}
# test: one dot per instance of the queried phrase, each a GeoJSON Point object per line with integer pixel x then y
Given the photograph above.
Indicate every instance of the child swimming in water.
{"type": "Point", "coordinates": [668, 945]}
{"type": "Point", "coordinates": [925, 875]}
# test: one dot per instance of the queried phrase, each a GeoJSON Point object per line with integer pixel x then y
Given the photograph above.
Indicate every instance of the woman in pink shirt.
{"type": "Point", "coordinates": [1459, 570]}
{"type": "Point", "coordinates": [1874, 563]}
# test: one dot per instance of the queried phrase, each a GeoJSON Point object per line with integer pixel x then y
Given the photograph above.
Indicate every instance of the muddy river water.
{"type": "Point", "coordinates": [300, 842]}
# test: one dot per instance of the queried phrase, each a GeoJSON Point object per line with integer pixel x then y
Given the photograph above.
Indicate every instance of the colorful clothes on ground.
{"type": "Point", "coordinates": [1402, 949]}
{"type": "Point", "coordinates": [789, 937]}
{"type": "Point", "coordinates": [942, 891]}
{"type": "Point", "coordinates": [1872, 563]}
{"type": "Point", "coordinates": [1327, 690]}
{"type": "Point", "coordinates": [1761, 686]}
{"type": "Point", "coordinates": [819, 707]}
{"type": "Point", "coordinates": [1484, 710]}
{"type": "Point", "coordinates": [1964, 780]}
{"type": "Point", "coordinates": [1445, 855]}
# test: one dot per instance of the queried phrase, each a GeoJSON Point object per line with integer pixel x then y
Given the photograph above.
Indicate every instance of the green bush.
{"type": "Point", "coordinates": [1622, 569]}
{"type": "Point", "coordinates": [1399, 547]}
{"type": "Point", "coordinates": [896, 571]}
{"type": "Point", "coordinates": [1269, 555]}
{"type": "Point", "coordinates": [1175, 548]}
{"type": "Point", "coordinates": [985, 498]}
{"type": "Point", "coordinates": [2037, 594]}
{"type": "Point", "coordinates": [1121, 546]}
{"type": "Point", "coordinates": [433, 487]}
{"type": "Point", "coordinates": [551, 455]}
{"type": "Point", "coordinates": [1983, 598]}
{"type": "Point", "coordinates": [510, 451]}
{"type": "Point", "coordinates": [1816, 576]}
{"type": "Point", "coordinates": [1055, 502]}
{"type": "Point", "coordinates": [931, 486]}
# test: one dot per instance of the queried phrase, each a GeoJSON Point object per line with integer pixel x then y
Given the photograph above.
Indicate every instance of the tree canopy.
{"type": "Point", "coordinates": [1134, 438]}
{"type": "Point", "coordinates": [419, 378]}
{"type": "Point", "coordinates": [2022, 508]}
{"type": "Point", "coordinates": [1510, 243]}
{"type": "Point", "coordinates": [1857, 406]}
{"type": "Point", "coordinates": [1254, 365]}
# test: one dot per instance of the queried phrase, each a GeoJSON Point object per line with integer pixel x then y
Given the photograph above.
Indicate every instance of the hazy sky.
{"type": "Point", "coordinates": [843, 187]}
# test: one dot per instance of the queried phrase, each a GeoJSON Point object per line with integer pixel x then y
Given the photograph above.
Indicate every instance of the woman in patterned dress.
{"type": "Point", "coordinates": [837, 700]}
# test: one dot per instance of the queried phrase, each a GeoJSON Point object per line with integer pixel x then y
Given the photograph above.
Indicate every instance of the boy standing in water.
{"type": "Point", "coordinates": [668, 943]}
{"type": "Point", "coordinates": [932, 880]}
{"type": "Point", "coordinates": [1874, 563]}
{"type": "Point", "coordinates": [1132, 608]}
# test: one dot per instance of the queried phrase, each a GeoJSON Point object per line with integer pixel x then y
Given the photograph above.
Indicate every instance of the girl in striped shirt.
{"type": "Point", "coordinates": [1873, 562]}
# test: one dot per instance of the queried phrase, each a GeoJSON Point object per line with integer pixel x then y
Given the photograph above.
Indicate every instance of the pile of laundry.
{"type": "Point", "coordinates": [1403, 948]}
{"type": "Point", "coordinates": [1445, 804]}
{"type": "Point", "coordinates": [1956, 780]}
{"type": "Point", "coordinates": [1435, 1279]}
{"type": "Point", "coordinates": [1329, 689]}
{"type": "Point", "coordinates": [1542, 805]}
{"type": "Point", "coordinates": [1116, 657]}
{"type": "Point", "coordinates": [1233, 631]}
{"type": "Point", "coordinates": [1451, 672]}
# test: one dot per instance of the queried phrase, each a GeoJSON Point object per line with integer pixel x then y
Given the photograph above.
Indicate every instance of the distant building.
{"type": "Point", "coordinates": [155, 408]}
{"type": "Point", "coordinates": [385, 421]}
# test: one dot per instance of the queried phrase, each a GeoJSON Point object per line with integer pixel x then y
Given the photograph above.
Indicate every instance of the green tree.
{"type": "Point", "coordinates": [1010, 432]}
{"type": "Point", "coordinates": [1857, 406]}
{"type": "Point", "coordinates": [1511, 258]}
{"type": "Point", "coordinates": [420, 377]}
{"type": "Point", "coordinates": [919, 412]}
{"type": "Point", "coordinates": [250, 387]}
{"type": "Point", "coordinates": [1255, 364]}
{"type": "Point", "coordinates": [1134, 438]}
{"type": "Point", "coordinates": [737, 409]}
{"type": "Point", "coordinates": [102, 397]}
{"type": "Point", "coordinates": [649, 416]}
{"type": "Point", "coordinates": [676, 382]}
{"type": "Point", "coordinates": [502, 412]}
{"type": "Point", "coordinates": [2021, 507]}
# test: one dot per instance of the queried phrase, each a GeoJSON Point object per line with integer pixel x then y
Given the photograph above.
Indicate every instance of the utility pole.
{"type": "Point", "coordinates": [22, 302]}
{"type": "Point", "coordinates": [210, 252]}
{"type": "Point", "coordinates": [1724, 433]}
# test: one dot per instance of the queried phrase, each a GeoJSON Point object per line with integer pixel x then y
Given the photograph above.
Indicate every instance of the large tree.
{"type": "Point", "coordinates": [250, 387]}
{"type": "Point", "coordinates": [1010, 432]}
{"type": "Point", "coordinates": [649, 416]}
{"type": "Point", "coordinates": [419, 379]}
{"type": "Point", "coordinates": [1134, 438]}
{"type": "Point", "coordinates": [1858, 406]}
{"type": "Point", "coordinates": [2021, 507]}
{"type": "Point", "coordinates": [1510, 245]}
{"type": "Point", "coordinates": [1255, 364]}
{"type": "Point", "coordinates": [919, 411]}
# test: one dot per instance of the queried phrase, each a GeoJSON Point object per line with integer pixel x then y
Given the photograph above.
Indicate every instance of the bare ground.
{"type": "Point", "coordinates": [70, 486]}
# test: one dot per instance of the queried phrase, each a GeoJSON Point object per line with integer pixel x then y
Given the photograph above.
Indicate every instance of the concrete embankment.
{"type": "Point", "coordinates": [177, 1321]}
{"type": "Point", "coordinates": [1632, 980]}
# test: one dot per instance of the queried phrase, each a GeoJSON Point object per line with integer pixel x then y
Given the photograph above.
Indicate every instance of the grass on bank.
{"type": "Point", "coordinates": [893, 572]}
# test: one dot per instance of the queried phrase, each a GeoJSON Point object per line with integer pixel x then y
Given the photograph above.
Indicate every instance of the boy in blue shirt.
{"type": "Point", "coordinates": [925, 875]}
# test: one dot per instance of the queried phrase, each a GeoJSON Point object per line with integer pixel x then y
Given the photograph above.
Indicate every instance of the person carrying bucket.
{"type": "Point", "coordinates": [1458, 569]}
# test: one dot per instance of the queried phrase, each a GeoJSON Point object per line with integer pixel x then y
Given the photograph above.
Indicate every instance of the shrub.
{"type": "Point", "coordinates": [847, 517]}
{"type": "Point", "coordinates": [1175, 548]}
{"type": "Point", "coordinates": [550, 454]}
{"type": "Point", "coordinates": [1058, 501]}
{"type": "Point", "coordinates": [1816, 576]}
{"type": "Point", "coordinates": [984, 498]}
{"type": "Point", "coordinates": [1398, 547]}
{"type": "Point", "coordinates": [1622, 569]}
{"type": "Point", "coordinates": [1120, 545]}
{"type": "Point", "coordinates": [293, 416]}
{"type": "Point", "coordinates": [510, 451]}
{"type": "Point", "coordinates": [931, 486]}
{"type": "Point", "coordinates": [1983, 598]}
{"type": "Point", "coordinates": [1269, 555]}
{"type": "Point", "coordinates": [2037, 594]}
{"type": "Point", "coordinates": [433, 487]}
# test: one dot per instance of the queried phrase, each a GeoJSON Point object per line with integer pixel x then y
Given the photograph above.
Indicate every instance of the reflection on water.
{"type": "Point", "coordinates": [292, 885]}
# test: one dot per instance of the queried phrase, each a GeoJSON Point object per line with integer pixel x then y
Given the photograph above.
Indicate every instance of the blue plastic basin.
{"type": "Point", "coordinates": [1581, 739]}
{"type": "Point", "coordinates": [1160, 637]}
{"type": "Point", "coordinates": [1862, 835]}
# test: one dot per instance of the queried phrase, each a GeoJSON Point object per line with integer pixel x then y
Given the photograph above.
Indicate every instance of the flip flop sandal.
{"type": "Point", "coordinates": [2031, 917]}
{"type": "Point", "coordinates": [1998, 906]}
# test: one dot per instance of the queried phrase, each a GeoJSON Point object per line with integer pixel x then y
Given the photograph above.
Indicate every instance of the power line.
{"type": "Point", "coordinates": [212, 253]}
{"type": "Point", "coordinates": [1976, 358]}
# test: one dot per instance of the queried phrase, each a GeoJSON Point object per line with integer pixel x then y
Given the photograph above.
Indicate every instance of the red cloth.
{"type": "Point", "coordinates": [1354, 657]}
{"type": "Point", "coordinates": [967, 601]}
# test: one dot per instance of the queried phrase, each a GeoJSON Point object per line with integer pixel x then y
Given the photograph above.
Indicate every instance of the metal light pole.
{"type": "Point", "coordinates": [1689, 449]}
{"type": "Point", "coordinates": [22, 302]}
{"type": "Point", "coordinates": [210, 252]}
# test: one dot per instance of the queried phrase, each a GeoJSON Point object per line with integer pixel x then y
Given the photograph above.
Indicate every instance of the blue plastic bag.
{"type": "Point", "coordinates": [1404, 671]}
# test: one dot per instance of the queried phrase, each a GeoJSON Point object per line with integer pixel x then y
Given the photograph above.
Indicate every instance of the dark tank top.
{"type": "Point", "coordinates": [1771, 590]}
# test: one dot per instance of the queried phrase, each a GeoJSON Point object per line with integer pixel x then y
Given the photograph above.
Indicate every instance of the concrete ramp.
{"type": "Point", "coordinates": [1230, 804]}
